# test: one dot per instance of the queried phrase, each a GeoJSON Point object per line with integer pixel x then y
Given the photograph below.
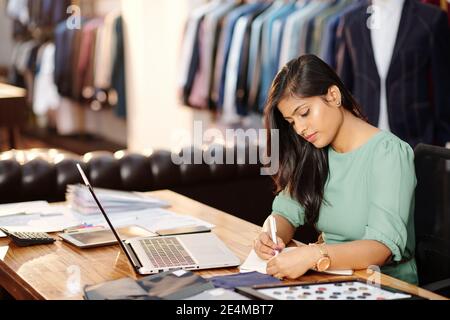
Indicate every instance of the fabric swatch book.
{"type": "Point", "coordinates": [248, 279]}
{"type": "Point", "coordinates": [171, 285]}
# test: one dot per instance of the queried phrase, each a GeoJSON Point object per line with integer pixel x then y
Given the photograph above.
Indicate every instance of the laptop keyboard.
{"type": "Point", "coordinates": [166, 252]}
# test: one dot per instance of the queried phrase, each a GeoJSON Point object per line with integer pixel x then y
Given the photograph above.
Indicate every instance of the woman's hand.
{"type": "Point", "coordinates": [265, 248]}
{"type": "Point", "coordinates": [293, 264]}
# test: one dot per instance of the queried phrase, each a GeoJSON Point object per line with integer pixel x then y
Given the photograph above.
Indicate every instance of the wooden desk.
{"type": "Point", "coordinates": [52, 272]}
{"type": "Point", "coordinates": [13, 109]}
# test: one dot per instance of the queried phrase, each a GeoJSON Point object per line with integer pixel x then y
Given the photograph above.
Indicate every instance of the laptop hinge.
{"type": "Point", "coordinates": [133, 256]}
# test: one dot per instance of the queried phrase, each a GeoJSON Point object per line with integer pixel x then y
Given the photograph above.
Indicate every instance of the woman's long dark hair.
{"type": "Point", "coordinates": [303, 168]}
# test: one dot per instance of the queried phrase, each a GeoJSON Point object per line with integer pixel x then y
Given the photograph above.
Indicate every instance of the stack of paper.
{"type": "Point", "coordinates": [81, 200]}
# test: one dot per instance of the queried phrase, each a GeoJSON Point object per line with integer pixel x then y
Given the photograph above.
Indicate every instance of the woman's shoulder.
{"type": "Point", "coordinates": [392, 159]}
{"type": "Point", "coordinates": [388, 146]}
{"type": "Point", "coordinates": [389, 141]}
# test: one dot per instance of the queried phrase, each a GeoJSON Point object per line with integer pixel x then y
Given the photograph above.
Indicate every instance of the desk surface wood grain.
{"type": "Point", "coordinates": [60, 271]}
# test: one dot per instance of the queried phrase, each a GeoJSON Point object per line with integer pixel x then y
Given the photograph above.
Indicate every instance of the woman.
{"type": "Point", "coordinates": [350, 180]}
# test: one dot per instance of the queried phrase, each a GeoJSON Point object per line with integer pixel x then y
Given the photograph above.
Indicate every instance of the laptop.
{"type": "Point", "coordinates": [150, 255]}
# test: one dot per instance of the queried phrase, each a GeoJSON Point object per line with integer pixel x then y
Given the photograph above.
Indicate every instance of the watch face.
{"type": "Point", "coordinates": [323, 264]}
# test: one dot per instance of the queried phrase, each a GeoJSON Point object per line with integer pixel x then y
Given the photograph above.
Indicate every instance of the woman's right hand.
{"type": "Point", "coordinates": [265, 248]}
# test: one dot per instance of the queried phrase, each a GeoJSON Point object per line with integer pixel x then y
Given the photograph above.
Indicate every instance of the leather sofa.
{"type": "Point", "coordinates": [43, 174]}
{"type": "Point", "coordinates": [238, 189]}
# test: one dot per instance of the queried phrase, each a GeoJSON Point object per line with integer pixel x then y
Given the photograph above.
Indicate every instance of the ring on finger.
{"type": "Point", "coordinates": [279, 277]}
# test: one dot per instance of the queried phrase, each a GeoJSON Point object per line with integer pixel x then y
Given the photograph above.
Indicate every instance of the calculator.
{"type": "Point", "coordinates": [25, 239]}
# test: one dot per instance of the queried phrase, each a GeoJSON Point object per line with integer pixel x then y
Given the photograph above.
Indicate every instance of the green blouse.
{"type": "Point", "coordinates": [369, 196]}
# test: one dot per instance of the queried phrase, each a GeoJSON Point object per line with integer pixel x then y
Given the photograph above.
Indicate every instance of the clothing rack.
{"type": "Point", "coordinates": [232, 51]}
{"type": "Point", "coordinates": [43, 33]}
{"type": "Point", "coordinates": [49, 71]}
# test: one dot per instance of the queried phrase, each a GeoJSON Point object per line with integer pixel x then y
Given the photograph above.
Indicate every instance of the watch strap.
{"type": "Point", "coordinates": [323, 252]}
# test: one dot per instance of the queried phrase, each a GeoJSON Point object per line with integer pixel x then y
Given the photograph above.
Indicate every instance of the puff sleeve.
{"type": "Point", "coordinates": [289, 208]}
{"type": "Point", "coordinates": [391, 186]}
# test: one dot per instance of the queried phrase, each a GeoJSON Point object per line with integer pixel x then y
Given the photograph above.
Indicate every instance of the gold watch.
{"type": "Point", "coordinates": [324, 263]}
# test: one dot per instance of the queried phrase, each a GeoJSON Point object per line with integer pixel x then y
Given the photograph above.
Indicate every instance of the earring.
{"type": "Point", "coordinates": [339, 104]}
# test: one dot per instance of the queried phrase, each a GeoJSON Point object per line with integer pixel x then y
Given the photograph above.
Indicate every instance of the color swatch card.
{"type": "Point", "coordinates": [351, 290]}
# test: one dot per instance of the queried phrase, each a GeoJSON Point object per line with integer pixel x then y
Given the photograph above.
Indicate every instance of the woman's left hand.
{"type": "Point", "coordinates": [292, 264]}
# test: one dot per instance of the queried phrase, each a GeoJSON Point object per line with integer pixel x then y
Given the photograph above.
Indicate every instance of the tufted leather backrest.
{"type": "Point", "coordinates": [43, 174]}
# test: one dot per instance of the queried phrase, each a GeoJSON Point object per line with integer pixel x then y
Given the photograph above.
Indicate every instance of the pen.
{"type": "Point", "coordinates": [273, 231]}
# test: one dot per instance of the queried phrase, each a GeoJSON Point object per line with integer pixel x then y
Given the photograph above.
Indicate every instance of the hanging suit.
{"type": "Point", "coordinates": [418, 81]}
{"type": "Point", "coordinates": [443, 4]}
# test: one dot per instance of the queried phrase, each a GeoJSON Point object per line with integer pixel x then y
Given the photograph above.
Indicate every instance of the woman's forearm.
{"type": "Point", "coordinates": [285, 230]}
{"type": "Point", "coordinates": [356, 255]}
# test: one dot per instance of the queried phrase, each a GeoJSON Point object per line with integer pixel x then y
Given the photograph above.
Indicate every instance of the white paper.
{"type": "Point", "coordinates": [58, 218]}
{"type": "Point", "coordinates": [255, 263]}
{"type": "Point", "coordinates": [339, 272]}
{"type": "Point", "coordinates": [26, 213]}
{"type": "Point", "coordinates": [3, 252]}
{"type": "Point", "coordinates": [24, 207]}
{"type": "Point", "coordinates": [22, 219]}
{"type": "Point", "coordinates": [50, 219]}
{"type": "Point", "coordinates": [179, 273]}
{"type": "Point", "coordinates": [161, 219]}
